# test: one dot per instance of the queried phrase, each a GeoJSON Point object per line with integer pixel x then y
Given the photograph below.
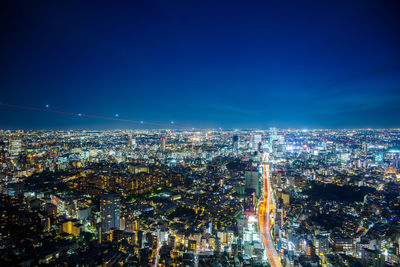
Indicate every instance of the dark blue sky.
{"type": "Point", "coordinates": [307, 64]}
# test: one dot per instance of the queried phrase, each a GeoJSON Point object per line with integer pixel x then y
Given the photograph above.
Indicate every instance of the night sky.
{"type": "Point", "coordinates": [244, 64]}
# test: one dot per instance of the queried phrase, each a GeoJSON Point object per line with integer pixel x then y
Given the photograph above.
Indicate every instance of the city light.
{"type": "Point", "coordinates": [200, 133]}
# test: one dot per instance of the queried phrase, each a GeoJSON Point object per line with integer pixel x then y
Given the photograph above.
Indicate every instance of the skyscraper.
{"type": "Point", "coordinates": [110, 211]}
{"type": "Point", "coordinates": [252, 181]}
{"type": "Point", "coordinates": [256, 141]}
{"type": "Point", "coordinates": [273, 135]}
{"type": "Point", "coordinates": [273, 141]}
{"type": "Point", "coordinates": [131, 141]}
{"type": "Point", "coordinates": [235, 143]}
{"type": "Point", "coordinates": [163, 140]}
{"type": "Point", "coordinates": [15, 148]}
{"type": "Point", "coordinates": [364, 148]}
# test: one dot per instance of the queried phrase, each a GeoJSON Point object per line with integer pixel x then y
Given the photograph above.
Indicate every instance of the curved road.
{"type": "Point", "coordinates": [264, 211]}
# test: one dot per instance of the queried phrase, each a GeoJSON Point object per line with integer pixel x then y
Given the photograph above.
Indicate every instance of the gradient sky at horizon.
{"type": "Point", "coordinates": [230, 64]}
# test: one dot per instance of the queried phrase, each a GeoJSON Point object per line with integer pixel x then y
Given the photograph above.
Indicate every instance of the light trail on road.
{"type": "Point", "coordinates": [263, 218]}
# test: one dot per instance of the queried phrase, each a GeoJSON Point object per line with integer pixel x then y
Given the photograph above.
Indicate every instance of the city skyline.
{"type": "Point", "coordinates": [200, 134]}
{"type": "Point", "coordinates": [209, 65]}
{"type": "Point", "coordinates": [159, 198]}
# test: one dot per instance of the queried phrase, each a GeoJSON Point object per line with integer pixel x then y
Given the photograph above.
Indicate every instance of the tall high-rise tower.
{"type": "Point", "coordinates": [252, 181]}
{"type": "Point", "coordinates": [131, 141]}
{"type": "Point", "coordinates": [163, 143]}
{"type": "Point", "coordinates": [257, 139]}
{"type": "Point", "coordinates": [364, 148]}
{"type": "Point", "coordinates": [235, 143]}
{"type": "Point", "coordinates": [110, 211]}
{"type": "Point", "coordinates": [273, 135]}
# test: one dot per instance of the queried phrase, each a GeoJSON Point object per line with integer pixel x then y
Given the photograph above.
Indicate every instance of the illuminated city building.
{"type": "Point", "coordinates": [235, 143]}
{"type": "Point", "coordinates": [110, 211]}
{"type": "Point", "coordinates": [163, 143]}
{"type": "Point", "coordinates": [372, 258]}
{"type": "Point", "coordinates": [379, 156]}
{"type": "Point", "coordinates": [252, 180]}
{"type": "Point", "coordinates": [15, 148]}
